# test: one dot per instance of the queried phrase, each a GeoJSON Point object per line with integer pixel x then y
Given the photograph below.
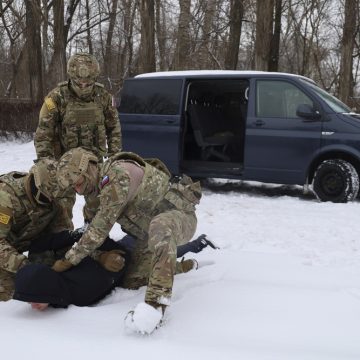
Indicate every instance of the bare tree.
{"type": "Point", "coordinates": [235, 20]}
{"type": "Point", "coordinates": [126, 53]}
{"type": "Point", "coordinates": [275, 38]}
{"type": "Point", "coordinates": [34, 56]}
{"type": "Point", "coordinates": [309, 41]}
{"type": "Point", "coordinates": [57, 66]}
{"type": "Point", "coordinates": [14, 27]}
{"type": "Point", "coordinates": [264, 25]}
{"type": "Point", "coordinates": [182, 51]}
{"type": "Point", "coordinates": [147, 45]}
{"type": "Point", "coordinates": [346, 83]}
{"type": "Point", "coordinates": [204, 58]}
{"type": "Point", "coordinates": [88, 27]}
{"type": "Point", "coordinates": [108, 64]}
{"type": "Point", "coordinates": [307, 37]}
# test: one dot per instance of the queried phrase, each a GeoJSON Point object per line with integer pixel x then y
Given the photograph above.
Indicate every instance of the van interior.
{"type": "Point", "coordinates": [214, 130]}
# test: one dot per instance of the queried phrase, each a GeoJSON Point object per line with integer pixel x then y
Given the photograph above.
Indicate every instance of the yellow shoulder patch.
{"type": "Point", "coordinates": [5, 215]}
{"type": "Point", "coordinates": [50, 103]}
{"type": "Point", "coordinates": [4, 218]}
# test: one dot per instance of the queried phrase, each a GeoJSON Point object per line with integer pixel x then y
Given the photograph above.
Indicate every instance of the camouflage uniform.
{"type": "Point", "coordinates": [22, 220]}
{"type": "Point", "coordinates": [68, 119]}
{"type": "Point", "coordinates": [158, 214]}
{"type": "Point", "coordinates": [72, 117]}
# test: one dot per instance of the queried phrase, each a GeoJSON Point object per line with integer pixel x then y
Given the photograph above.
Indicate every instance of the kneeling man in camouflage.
{"type": "Point", "coordinates": [140, 196]}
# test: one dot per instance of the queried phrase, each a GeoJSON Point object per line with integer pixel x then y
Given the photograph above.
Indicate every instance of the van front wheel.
{"type": "Point", "coordinates": [336, 180]}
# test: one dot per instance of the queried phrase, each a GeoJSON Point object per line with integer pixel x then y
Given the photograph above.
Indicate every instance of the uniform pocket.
{"type": "Point", "coordinates": [70, 136]}
{"type": "Point", "coordinates": [100, 138]}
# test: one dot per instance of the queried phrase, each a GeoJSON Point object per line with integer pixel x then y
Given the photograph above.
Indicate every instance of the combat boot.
{"type": "Point", "coordinates": [188, 265]}
{"type": "Point", "coordinates": [145, 318]}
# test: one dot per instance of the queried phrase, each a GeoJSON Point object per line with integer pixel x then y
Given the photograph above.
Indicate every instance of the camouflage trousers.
{"type": "Point", "coordinates": [6, 285]}
{"type": "Point", "coordinates": [153, 261]}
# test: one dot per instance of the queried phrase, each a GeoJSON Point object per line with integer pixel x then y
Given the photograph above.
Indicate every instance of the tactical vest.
{"type": "Point", "coordinates": [82, 123]}
{"type": "Point", "coordinates": [155, 194]}
{"type": "Point", "coordinates": [29, 220]}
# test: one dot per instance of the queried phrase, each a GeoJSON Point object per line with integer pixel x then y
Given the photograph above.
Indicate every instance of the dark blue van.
{"type": "Point", "coordinates": [250, 125]}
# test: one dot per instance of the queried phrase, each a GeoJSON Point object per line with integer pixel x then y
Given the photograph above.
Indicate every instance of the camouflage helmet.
{"type": "Point", "coordinates": [72, 165]}
{"type": "Point", "coordinates": [83, 66]}
{"type": "Point", "coordinates": [43, 183]}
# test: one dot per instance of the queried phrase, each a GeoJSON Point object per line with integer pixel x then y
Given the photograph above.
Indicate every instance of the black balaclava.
{"type": "Point", "coordinates": [40, 284]}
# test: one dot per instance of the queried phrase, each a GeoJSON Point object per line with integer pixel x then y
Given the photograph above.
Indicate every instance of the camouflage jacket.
{"type": "Point", "coordinates": [66, 122]}
{"type": "Point", "coordinates": [154, 194]}
{"type": "Point", "coordinates": [22, 220]}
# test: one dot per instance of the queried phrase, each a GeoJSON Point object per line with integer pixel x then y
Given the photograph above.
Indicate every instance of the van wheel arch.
{"type": "Point", "coordinates": [335, 180]}
{"type": "Point", "coordinates": [355, 162]}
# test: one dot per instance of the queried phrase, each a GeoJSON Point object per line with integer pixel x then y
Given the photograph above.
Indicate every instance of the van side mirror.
{"type": "Point", "coordinates": [307, 112]}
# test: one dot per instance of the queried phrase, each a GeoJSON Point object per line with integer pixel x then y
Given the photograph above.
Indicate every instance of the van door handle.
{"type": "Point", "coordinates": [259, 122]}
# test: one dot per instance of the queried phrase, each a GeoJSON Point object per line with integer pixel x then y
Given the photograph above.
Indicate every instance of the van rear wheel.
{"type": "Point", "coordinates": [336, 180]}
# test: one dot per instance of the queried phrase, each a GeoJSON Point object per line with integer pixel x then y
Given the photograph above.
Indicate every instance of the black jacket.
{"type": "Point", "coordinates": [82, 285]}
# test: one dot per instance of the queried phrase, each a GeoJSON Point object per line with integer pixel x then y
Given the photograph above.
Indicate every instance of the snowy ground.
{"type": "Point", "coordinates": [284, 285]}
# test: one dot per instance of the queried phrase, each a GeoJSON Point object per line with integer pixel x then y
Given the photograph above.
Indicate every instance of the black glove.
{"type": "Point", "coordinates": [195, 246]}
{"type": "Point", "coordinates": [78, 233]}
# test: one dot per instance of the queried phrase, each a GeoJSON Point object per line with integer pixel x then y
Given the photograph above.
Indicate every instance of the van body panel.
{"type": "Point", "coordinates": [278, 145]}
{"type": "Point", "coordinates": [273, 153]}
{"type": "Point", "coordinates": [332, 148]}
{"type": "Point", "coordinates": [150, 116]}
{"type": "Point", "coordinates": [160, 140]}
{"type": "Point", "coordinates": [250, 125]}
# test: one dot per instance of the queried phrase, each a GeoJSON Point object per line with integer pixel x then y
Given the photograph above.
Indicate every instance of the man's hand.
{"type": "Point", "coordinates": [200, 243]}
{"type": "Point", "coordinates": [112, 260]}
{"type": "Point", "coordinates": [78, 233]}
{"type": "Point", "coordinates": [62, 265]}
{"type": "Point", "coordinates": [39, 306]}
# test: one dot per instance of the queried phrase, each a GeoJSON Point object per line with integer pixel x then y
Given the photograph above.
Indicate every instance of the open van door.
{"type": "Point", "coordinates": [280, 140]}
{"type": "Point", "coordinates": [150, 118]}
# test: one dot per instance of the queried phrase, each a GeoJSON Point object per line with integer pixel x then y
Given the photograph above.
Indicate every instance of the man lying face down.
{"type": "Point", "coordinates": [93, 279]}
{"type": "Point", "coordinates": [83, 285]}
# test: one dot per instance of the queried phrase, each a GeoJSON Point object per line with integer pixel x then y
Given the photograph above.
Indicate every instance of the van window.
{"type": "Point", "coordinates": [150, 96]}
{"type": "Point", "coordinates": [279, 99]}
{"type": "Point", "coordinates": [332, 101]}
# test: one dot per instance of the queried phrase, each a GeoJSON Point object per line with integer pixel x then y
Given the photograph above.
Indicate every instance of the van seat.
{"type": "Point", "coordinates": [208, 133]}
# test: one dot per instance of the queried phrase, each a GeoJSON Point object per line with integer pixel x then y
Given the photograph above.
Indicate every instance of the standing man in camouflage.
{"type": "Point", "coordinates": [137, 194]}
{"type": "Point", "coordinates": [78, 112]}
{"type": "Point", "coordinates": [27, 211]}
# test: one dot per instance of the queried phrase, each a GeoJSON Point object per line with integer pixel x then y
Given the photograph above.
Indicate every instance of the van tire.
{"type": "Point", "coordinates": [336, 180]}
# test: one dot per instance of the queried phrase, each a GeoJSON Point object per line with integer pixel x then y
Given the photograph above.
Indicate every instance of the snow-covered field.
{"type": "Point", "coordinates": [284, 285]}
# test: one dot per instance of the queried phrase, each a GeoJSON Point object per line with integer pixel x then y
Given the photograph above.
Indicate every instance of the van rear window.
{"type": "Point", "coordinates": [150, 96]}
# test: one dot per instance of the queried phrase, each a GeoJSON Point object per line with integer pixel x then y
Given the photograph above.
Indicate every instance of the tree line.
{"type": "Point", "coordinates": [319, 39]}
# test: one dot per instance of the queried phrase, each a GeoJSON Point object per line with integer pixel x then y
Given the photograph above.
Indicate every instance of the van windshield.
{"type": "Point", "coordinates": [331, 100]}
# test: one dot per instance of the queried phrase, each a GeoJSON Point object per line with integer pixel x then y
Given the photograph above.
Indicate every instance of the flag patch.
{"type": "Point", "coordinates": [104, 181]}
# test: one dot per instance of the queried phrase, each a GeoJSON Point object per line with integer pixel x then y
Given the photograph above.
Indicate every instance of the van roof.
{"type": "Point", "coordinates": [218, 73]}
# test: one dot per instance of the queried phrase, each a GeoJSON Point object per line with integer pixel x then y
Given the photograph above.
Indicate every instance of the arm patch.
{"type": "Point", "coordinates": [104, 181]}
{"type": "Point", "coordinates": [4, 218]}
{"type": "Point", "coordinates": [50, 103]}
{"type": "Point", "coordinates": [5, 215]}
